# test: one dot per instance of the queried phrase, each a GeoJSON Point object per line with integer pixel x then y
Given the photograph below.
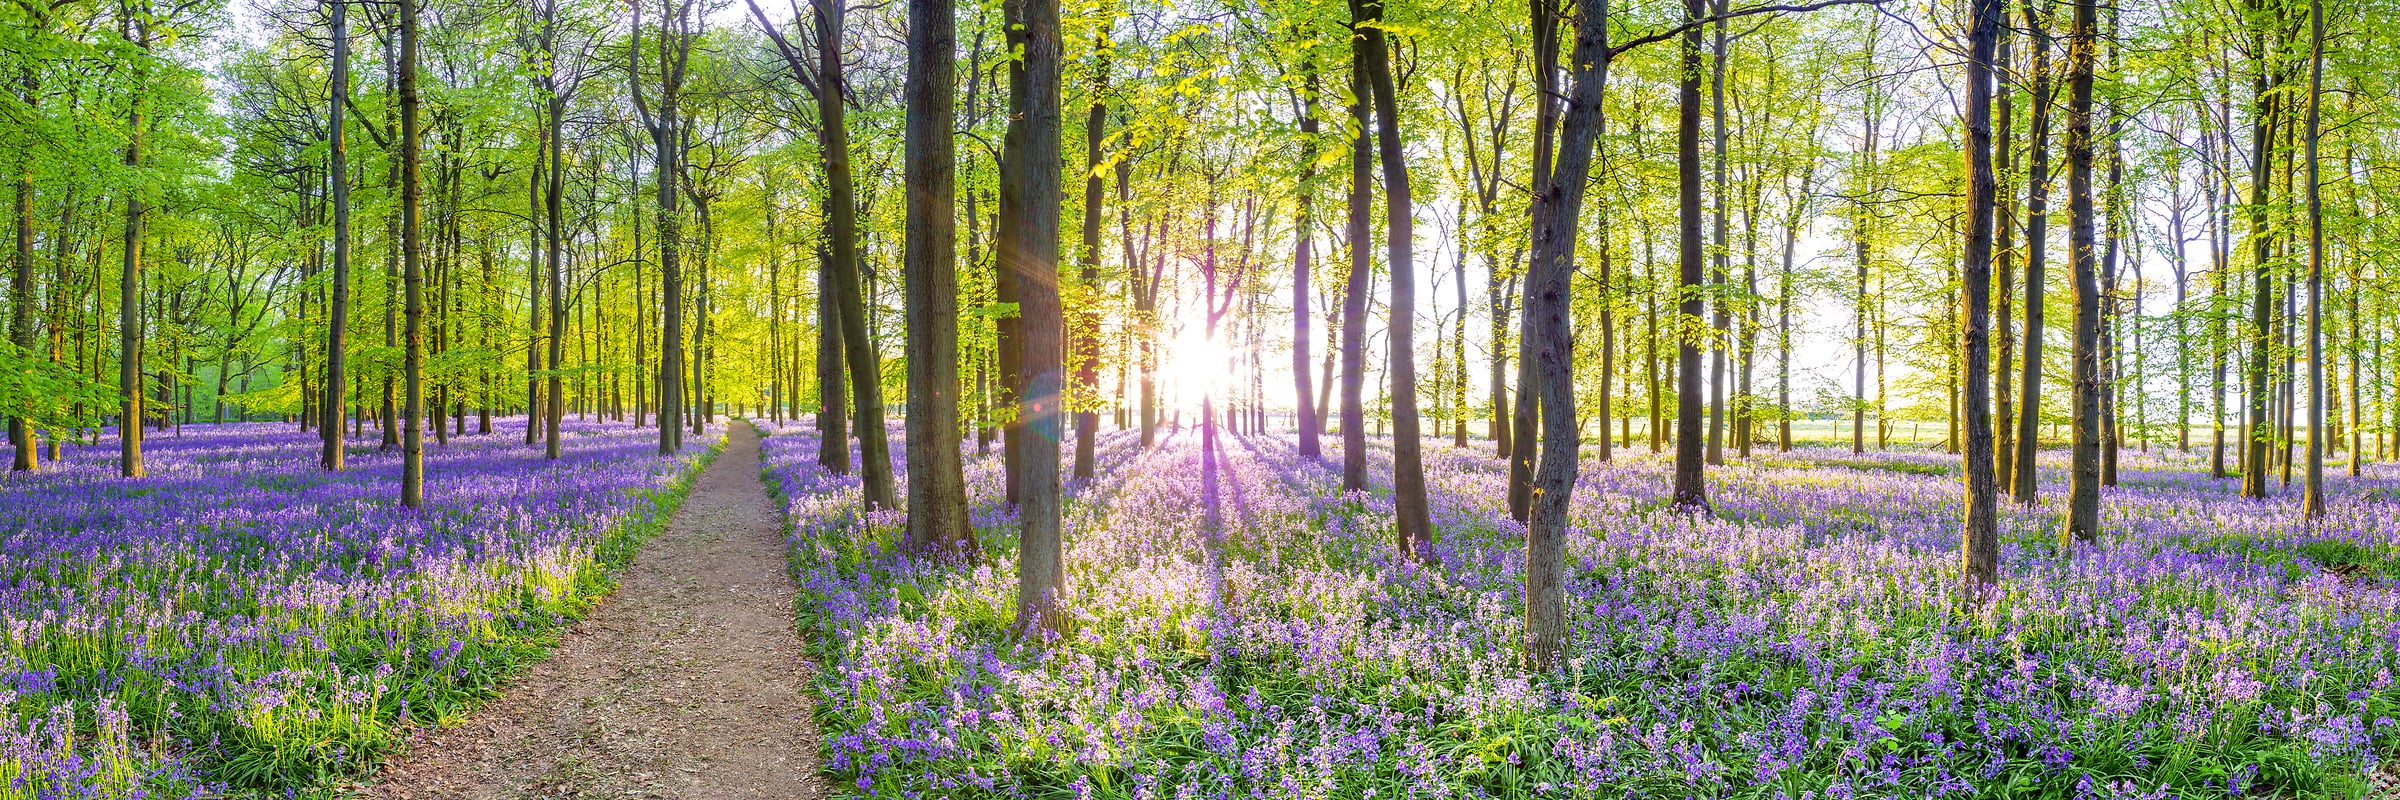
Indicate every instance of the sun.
{"type": "Point", "coordinates": [1194, 365]}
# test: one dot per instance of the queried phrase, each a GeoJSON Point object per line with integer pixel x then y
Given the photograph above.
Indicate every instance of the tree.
{"type": "Point", "coordinates": [937, 491]}
{"type": "Point", "coordinates": [866, 386]}
{"type": "Point", "coordinates": [1690, 495]}
{"type": "Point", "coordinates": [2037, 239]}
{"type": "Point", "coordinates": [2313, 504]}
{"type": "Point", "coordinates": [1028, 249]}
{"type": "Point", "coordinates": [1372, 60]}
{"type": "Point", "coordinates": [1549, 340]}
{"type": "Point", "coordinates": [337, 324]}
{"type": "Point", "coordinates": [1362, 268]}
{"type": "Point", "coordinates": [2258, 431]}
{"type": "Point", "coordinates": [1304, 407]}
{"type": "Point", "coordinates": [412, 268]}
{"type": "Point", "coordinates": [673, 55]}
{"type": "Point", "coordinates": [1087, 369]}
{"type": "Point", "coordinates": [130, 420]}
{"type": "Point", "coordinates": [1980, 545]}
{"type": "Point", "coordinates": [2083, 503]}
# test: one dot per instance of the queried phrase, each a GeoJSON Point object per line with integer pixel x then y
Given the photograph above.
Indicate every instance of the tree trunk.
{"type": "Point", "coordinates": [667, 143]}
{"type": "Point", "coordinates": [2258, 431]}
{"type": "Point", "coordinates": [1029, 207]}
{"type": "Point", "coordinates": [1414, 516]}
{"type": "Point", "coordinates": [337, 323]}
{"type": "Point", "coordinates": [2037, 245]}
{"type": "Point", "coordinates": [1304, 409]}
{"type": "Point", "coordinates": [937, 490]}
{"type": "Point", "coordinates": [2313, 506]}
{"type": "Point", "coordinates": [1690, 496]}
{"type": "Point", "coordinates": [1720, 275]}
{"type": "Point", "coordinates": [129, 307]}
{"type": "Point", "coordinates": [2004, 253]}
{"type": "Point", "coordinates": [1549, 342]}
{"type": "Point", "coordinates": [554, 211]}
{"type": "Point", "coordinates": [1087, 344]}
{"type": "Point", "coordinates": [20, 430]}
{"type": "Point", "coordinates": [1354, 298]}
{"type": "Point", "coordinates": [1980, 542]}
{"type": "Point", "coordinates": [833, 408]}
{"type": "Point", "coordinates": [2083, 496]}
{"type": "Point", "coordinates": [412, 270]}
{"type": "Point", "coordinates": [866, 376]}
{"type": "Point", "coordinates": [536, 271]}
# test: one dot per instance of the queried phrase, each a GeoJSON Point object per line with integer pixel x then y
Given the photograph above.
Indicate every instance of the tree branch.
{"type": "Point", "coordinates": [1713, 19]}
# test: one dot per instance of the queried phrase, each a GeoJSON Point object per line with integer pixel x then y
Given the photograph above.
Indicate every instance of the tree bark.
{"type": "Point", "coordinates": [1354, 298]}
{"type": "Point", "coordinates": [1304, 409]}
{"type": "Point", "coordinates": [554, 210]}
{"type": "Point", "coordinates": [2037, 245]}
{"type": "Point", "coordinates": [1690, 494]}
{"type": "Point", "coordinates": [866, 376]}
{"type": "Point", "coordinates": [2258, 432]}
{"type": "Point", "coordinates": [20, 429]}
{"type": "Point", "coordinates": [2083, 495]}
{"type": "Point", "coordinates": [535, 272]}
{"type": "Point", "coordinates": [1028, 245]}
{"type": "Point", "coordinates": [833, 407]}
{"type": "Point", "coordinates": [2313, 505]}
{"type": "Point", "coordinates": [1414, 515]}
{"type": "Point", "coordinates": [1718, 255]}
{"type": "Point", "coordinates": [1980, 546]}
{"type": "Point", "coordinates": [412, 270]}
{"type": "Point", "coordinates": [937, 490]}
{"type": "Point", "coordinates": [674, 52]}
{"type": "Point", "coordinates": [1549, 341]}
{"type": "Point", "coordinates": [1087, 344]}
{"type": "Point", "coordinates": [129, 307]}
{"type": "Point", "coordinates": [337, 324]}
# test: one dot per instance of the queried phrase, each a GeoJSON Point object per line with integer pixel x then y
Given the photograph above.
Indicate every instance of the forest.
{"type": "Point", "coordinates": [1261, 398]}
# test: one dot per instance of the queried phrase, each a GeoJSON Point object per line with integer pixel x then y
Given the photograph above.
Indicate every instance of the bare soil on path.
{"type": "Point", "coordinates": [687, 682]}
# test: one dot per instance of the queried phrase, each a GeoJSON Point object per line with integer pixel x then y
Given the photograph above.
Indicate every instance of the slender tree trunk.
{"type": "Point", "coordinates": [1304, 409]}
{"type": "Point", "coordinates": [1862, 306]}
{"type": "Point", "coordinates": [535, 272]}
{"type": "Point", "coordinates": [641, 305]}
{"type": "Point", "coordinates": [666, 141]}
{"type": "Point", "coordinates": [2220, 216]}
{"type": "Point", "coordinates": [2259, 428]}
{"type": "Point", "coordinates": [866, 381]}
{"type": "Point", "coordinates": [2037, 245]}
{"type": "Point", "coordinates": [1029, 206]}
{"type": "Point", "coordinates": [337, 324]}
{"type": "Point", "coordinates": [554, 214]}
{"type": "Point", "coordinates": [129, 307]}
{"type": "Point", "coordinates": [389, 414]}
{"type": "Point", "coordinates": [2083, 503]}
{"type": "Point", "coordinates": [1458, 358]}
{"type": "Point", "coordinates": [1722, 251]}
{"type": "Point", "coordinates": [412, 269]}
{"type": "Point", "coordinates": [2313, 505]}
{"type": "Point", "coordinates": [1980, 541]}
{"type": "Point", "coordinates": [1549, 341]}
{"type": "Point", "coordinates": [1414, 515]}
{"type": "Point", "coordinates": [833, 408]}
{"type": "Point", "coordinates": [1087, 345]}
{"type": "Point", "coordinates": [20, 430]}
{"type": "Point", "coordinates": [1690, 493]}
{"type": "Point", "coordinates": [1354, 298]}
{"type": "Point", "coordinates": [1526, 416]}
{"type": "Point", "coordinates": [2004, 253]}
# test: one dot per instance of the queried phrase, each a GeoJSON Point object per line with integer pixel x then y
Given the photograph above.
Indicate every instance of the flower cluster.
{"type": "Point", "coordinates": [241, 619]}
{"type": "Point", "coordinates": [1808, 640]}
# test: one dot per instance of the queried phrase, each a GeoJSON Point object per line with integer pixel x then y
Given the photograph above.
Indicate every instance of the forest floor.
{"type": "Point", "coordinates": [688, 681]}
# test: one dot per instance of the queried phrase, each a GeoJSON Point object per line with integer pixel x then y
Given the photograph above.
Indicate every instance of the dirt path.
{"type": "Point", "coordinates": [685, 683]}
